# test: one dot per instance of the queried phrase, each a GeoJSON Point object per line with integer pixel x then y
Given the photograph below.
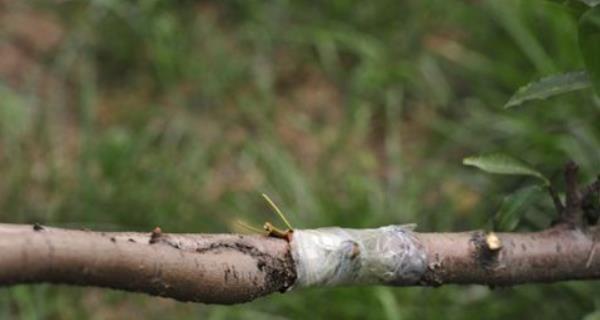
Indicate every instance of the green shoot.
{"type": "Point", "coordinates": [276, 209]}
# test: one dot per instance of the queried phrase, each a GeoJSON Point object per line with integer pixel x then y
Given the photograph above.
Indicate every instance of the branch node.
{"type": "Point", "coordinates": [487, 248]}
{"type": "Point", "coordinates": [155, 235]}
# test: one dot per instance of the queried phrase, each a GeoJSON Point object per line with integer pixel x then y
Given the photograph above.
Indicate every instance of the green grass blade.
{"type": "Point", "coordinates": [276, 209]}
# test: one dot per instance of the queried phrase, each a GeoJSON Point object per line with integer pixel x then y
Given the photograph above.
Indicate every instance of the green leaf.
{"type": "Point", "coordinates": [504, 164]}
{"type": "Point", "coordinates": [514, 206]}
{"type": "Point", "coordinates": [589, 44]}
{"type": "Point", "coordinates": [550, 86]}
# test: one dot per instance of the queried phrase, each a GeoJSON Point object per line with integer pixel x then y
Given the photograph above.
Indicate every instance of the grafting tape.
{"type": "Point", "coordinates": [337, 256]}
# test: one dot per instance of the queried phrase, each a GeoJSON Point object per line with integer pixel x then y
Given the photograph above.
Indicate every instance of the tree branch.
{"type": "Point", "coordinates": [206, 268]}
{"type": "Point", "coordinates": [571, 214]}
{"type": "Point", "coordinates": [232, 268]}
{"type": "Point", "coordinates": [556, 254]}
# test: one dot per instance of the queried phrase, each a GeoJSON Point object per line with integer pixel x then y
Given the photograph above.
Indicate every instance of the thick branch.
{"type": "Point", "coordinates": [557, 254]}
{"type": "Point", "coordinates": [204, 268]}
{"type": "Point", "coordinates": [234, 268]}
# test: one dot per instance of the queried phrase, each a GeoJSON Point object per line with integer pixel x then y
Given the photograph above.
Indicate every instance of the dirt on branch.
{"type": "Point", "coordinates": [218, 268]}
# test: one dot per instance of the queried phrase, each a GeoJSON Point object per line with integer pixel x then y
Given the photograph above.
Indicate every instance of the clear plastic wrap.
{"type": "Point", "coordinates": [337, 256]}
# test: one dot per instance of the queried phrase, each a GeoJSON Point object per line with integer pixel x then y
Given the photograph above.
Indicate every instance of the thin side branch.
{"type": "Point", "coordinates": [572, 210]}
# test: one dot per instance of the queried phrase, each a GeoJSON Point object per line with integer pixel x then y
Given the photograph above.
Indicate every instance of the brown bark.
{"type": "Point", "coordinates": [221, 268]}
{"type": "Point", "coordinates": [234, 268]}
{"type": "Point", "coordinates": [556, 254]}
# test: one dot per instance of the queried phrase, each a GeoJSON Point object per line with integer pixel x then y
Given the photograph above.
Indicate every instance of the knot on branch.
{"type": "Point", "coordinates": [487, 248]}
{"type": "Point", "coordinates": [155, 235]}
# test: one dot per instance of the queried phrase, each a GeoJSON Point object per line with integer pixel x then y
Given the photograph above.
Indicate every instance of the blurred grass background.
{"type": "Point", "coordinates": [125, 115]}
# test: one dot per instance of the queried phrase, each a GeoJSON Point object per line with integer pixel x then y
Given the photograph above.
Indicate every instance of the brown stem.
{"type": "Point", "coordinates": [552, 255]}
{"type": "Point", "coordinates": [230, 268]}
{"type": "Point", "coordinates": [221, 269]}
{"type": "Point", "coordinates": [572, 212]}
